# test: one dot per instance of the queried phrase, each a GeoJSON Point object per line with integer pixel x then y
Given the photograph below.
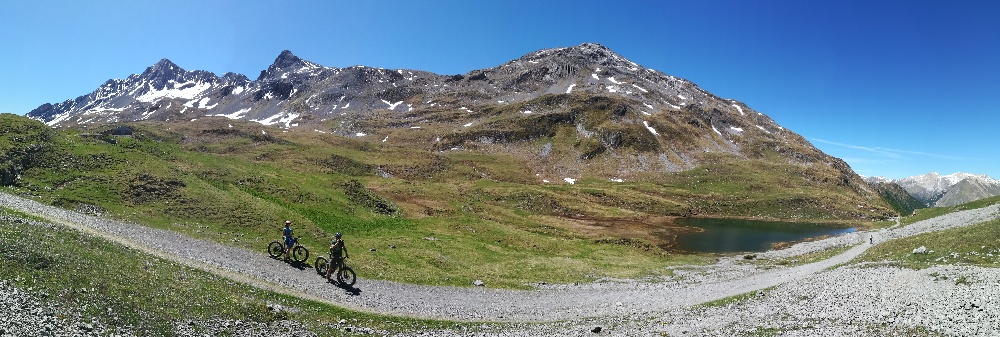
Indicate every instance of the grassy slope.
{"type": "Point", "coordinates": [85, 273]}
{"type": "Point", "coordinates": [976, 244]}
{"type": "Point", "coordinates": [451, 216]}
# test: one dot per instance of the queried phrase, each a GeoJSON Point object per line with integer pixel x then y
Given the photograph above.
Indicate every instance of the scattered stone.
{"type": "Point", "coordinates": [920, 250]}
{"type": "Point", "coordinates": [478, 283]}
{"type": "Point", "coordinates": [596, 329]}
{"type": "Point", "coordinates": [371, 250]}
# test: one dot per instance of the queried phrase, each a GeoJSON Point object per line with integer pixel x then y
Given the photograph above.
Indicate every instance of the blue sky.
{"type": "Point", "coordinates": [895, 88]}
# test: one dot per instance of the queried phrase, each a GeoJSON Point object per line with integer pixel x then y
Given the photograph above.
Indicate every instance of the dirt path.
{"type": "Point", "coordinates": [550, 303]}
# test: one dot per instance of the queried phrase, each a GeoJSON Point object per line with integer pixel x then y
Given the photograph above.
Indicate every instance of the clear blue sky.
{"type": "Point", "coordinates": [895, 88]}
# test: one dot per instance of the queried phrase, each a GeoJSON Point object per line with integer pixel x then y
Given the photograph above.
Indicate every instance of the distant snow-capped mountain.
{"type": "Point", "coordinates": [876, 179]}
{"type": "Point", "coordinates": [896, 196]}
{"type": "Point", "coordinates": [935, 190]}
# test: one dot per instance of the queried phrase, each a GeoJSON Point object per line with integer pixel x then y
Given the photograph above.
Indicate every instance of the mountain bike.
{"type": "Point", "coordinates": [299, 252]}
{"type": "Point", "coordinates": [345, 275]}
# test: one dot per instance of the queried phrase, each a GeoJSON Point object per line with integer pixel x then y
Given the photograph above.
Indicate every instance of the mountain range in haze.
{"type": "Point", "coordinates": [935, 190]}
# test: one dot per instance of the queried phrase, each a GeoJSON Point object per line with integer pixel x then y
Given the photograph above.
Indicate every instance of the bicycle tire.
{"type": "Point", "coordinates": [346, 276]}
{"type": "Point", "coordinates": [276, 249]}
{"type": "Point", "coordinates": [300, 254]}
{"type": "Point", "coordinates": [321, 265]}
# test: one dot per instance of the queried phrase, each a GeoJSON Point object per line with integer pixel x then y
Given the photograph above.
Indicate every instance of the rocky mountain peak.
{"type": "Point", "coordinates": [162, 68]}
{"type": "Point", "coordinates": [287, 60]}
{"type": "Point", "coordinates": [595, 50]}
{"type": "Point", "coordinates": [587, 55]}
{"type": "Point", "coordinates": [161, 73]}
{"type": "Point", "coordinates": [285, 63]}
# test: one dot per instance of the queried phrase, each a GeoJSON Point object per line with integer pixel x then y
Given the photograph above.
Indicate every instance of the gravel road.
{"type": "Point", "coordinates": [810, 299]}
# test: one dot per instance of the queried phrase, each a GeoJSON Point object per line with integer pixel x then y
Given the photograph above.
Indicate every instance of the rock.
{"type": "Point", "coordinates": [920, 250]}
{"type": "Point", "coordinates": [478, 283]}
{"type": "Point", "coordinates": [596, 329]}
{"type": "Point", "coordinates": [371, 250]}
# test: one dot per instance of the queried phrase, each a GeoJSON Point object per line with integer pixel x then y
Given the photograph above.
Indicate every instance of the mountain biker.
{"type": "Point", "coordinates": [338, 251]}
{"type": "Point", "coordinates": [286, 234]}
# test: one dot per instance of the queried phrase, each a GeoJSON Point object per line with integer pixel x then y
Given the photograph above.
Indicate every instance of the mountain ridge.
{"type": "Point", "coordinates": [573, 112]}
{"type": "Point", "coordinates": [935, 190]}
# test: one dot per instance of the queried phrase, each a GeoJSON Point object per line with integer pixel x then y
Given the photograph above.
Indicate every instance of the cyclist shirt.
{"type": "Point", "coordinates": [336, 248]}
{"type": "Point", "coordinates": [287, 232]}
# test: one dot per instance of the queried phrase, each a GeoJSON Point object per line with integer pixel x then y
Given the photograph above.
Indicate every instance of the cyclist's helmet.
{"type": "Point", "coordinates": [337, 235]}
{"type": "Point", "coordinates": [288, 222]}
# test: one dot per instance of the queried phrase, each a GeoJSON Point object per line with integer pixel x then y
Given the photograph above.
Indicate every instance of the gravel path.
{"type": "Point", "coordinates": [864, 297]}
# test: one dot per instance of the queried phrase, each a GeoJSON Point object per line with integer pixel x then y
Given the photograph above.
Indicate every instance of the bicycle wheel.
{"type": "Point", "coordinates": [300, 254]}
{"type": "Point", "coordinates": [346, 276]}
{"type": "Point", "coordinates": [276, 249]}
{"type": "Point", "coordinates": [321, 265]}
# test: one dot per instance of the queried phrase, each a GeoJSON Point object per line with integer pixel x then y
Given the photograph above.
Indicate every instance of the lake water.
{"type": "Point", "coordinates": [734, 236]}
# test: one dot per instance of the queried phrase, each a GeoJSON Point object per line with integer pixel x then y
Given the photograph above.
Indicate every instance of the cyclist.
{"type": "Point", "coordinates": [286, 234]}
{"type": "Point", "coordinates": [338, 251]}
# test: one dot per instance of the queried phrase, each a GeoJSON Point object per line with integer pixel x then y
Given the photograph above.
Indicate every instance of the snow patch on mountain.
{"type": "Point", "coordinates": [283, 118]}
{"type": "Point", "coordinates": [392, 106]}
{"type": "Point", "coordinates": [187, 90]}
{"type": "Point", "coordinates": [740, 109]}
{"type": "Point", "coordinates": [236, 115]}
{"type": "Point", "coordinates": [650, 128]}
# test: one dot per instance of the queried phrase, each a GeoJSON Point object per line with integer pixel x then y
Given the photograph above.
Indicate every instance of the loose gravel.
{"type": "Point", "coordinates": [815, 299]}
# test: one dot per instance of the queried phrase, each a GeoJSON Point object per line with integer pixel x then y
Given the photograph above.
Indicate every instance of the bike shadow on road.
{"type": "Point", "coordinates": [350, 290]}
{"type": "Point", "coordinates": [299, 265]}
{"type": "Point", "coordinates": [295, 264]}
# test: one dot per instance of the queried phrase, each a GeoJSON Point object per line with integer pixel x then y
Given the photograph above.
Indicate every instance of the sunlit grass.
{"type": "Point", "coordinates": [126, 288]}
{"type": "Point", "coordinates": [976, 245]}
{"type": "Point", "coordinates": [488, 213]}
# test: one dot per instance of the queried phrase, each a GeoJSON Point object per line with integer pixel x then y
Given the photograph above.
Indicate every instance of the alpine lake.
{"type": "Point", "coordinates": [737, 236]}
